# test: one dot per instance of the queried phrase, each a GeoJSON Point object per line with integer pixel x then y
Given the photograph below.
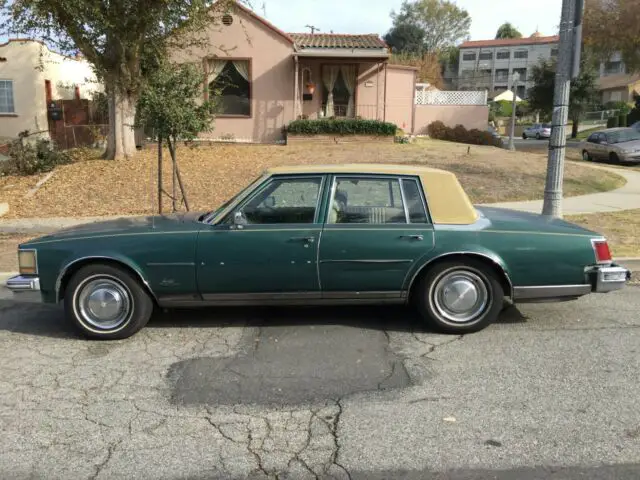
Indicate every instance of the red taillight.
{"type": "Point", "coordinates": [601, 249]}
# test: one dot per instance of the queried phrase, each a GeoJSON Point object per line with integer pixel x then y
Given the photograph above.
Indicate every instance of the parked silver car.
{"type": "Point", "coordinates": [613, 144]}
{"type": "Point", "coordinates": [538, 131]}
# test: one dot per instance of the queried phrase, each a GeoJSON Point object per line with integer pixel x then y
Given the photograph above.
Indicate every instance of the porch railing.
{"type": "Point", "coordinates": [366, 111]}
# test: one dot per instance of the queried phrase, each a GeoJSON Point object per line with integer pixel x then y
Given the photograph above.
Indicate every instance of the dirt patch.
{"type": "Point", "coordinates": [213, 174]}
{"type": "Point", "coordinates": [622, 230]}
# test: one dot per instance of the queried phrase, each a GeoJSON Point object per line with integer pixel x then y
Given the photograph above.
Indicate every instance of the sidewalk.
{"type": "Point", "coordinates": [40, 226]}
{"type": "Point", "coordinates": [625, 198]}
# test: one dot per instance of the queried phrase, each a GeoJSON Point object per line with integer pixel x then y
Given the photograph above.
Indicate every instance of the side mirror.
{"type": "Point", "coordinates": [238, 219]}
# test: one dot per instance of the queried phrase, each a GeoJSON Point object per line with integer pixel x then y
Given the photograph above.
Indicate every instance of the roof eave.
{"type": "Point", "coordinates": [343, 52]}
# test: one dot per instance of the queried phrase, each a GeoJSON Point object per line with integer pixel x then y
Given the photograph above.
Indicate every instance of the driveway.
{"type": "Point", "coordinates": [549, 392]}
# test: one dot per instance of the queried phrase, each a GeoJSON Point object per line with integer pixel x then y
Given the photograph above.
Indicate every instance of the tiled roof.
{"type": "Point", "coordinates": [510, 42]}
{"type": "Point", "coordinates": [334, 40]}
{"type": "Point", "coordinates": [617, 81]}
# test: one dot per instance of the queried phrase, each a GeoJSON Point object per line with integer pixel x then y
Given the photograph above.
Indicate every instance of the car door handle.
{"type": "Point", "coordinates": [303, 239]}
{"type": "Point", "coordinates": [413, 237]}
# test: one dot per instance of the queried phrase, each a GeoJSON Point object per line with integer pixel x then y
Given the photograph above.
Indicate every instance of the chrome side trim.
{"type": "Point", "coordinates": [66, 268]}
{"type": "Point", "coordinates": [550, 292]}
{"type": "Point", "coordinates": [373, 261]}
{"type": "Point", "coordinates": [463, 252]}
{"type": "Point", "coordinates": [171, 264]}
{"type": "Point", "coordinates": [285, 299]}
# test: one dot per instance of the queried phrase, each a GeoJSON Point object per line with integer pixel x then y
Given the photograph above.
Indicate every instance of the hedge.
{"type": "Point", "coordinates": [347, 126]}
{"type": "Point", "coordinates": [439, 131]}
{"type": "Point", "coordinates": [613, 122]}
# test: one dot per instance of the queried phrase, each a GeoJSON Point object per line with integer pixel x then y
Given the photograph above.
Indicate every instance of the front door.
{"type": "Point", "coordinates": [266, 249]}
{"type": "Point", "coordinates": [377, 227]}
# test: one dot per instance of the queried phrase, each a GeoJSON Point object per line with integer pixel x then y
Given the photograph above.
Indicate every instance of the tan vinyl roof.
{"type": "Point", "coordinates": [447, 200]}
{"type": "Point", "coordinates": [335, 40]}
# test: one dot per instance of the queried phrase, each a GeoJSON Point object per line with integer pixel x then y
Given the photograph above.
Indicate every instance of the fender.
{"type": "Point", "coordinates": [465, 249]}
{"type": "Point", "coordinates": [110, 256]}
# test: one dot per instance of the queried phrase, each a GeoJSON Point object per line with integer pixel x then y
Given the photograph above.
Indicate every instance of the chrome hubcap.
{"type": "Point", "coordinates": [460, 296]}
{"type": "Point", "coordinates": [104, 303]}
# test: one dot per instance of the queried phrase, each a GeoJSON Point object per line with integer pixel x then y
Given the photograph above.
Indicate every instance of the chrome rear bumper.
{"type": "Point", "coordinates": [605, 279]}
{"type": "Point", "coordinates": [25, 289]}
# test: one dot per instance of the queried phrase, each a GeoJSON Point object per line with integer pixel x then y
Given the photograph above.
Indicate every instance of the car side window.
{"type": "Point", "coordinates": [367, 200]}
{"type": "Point", "coordinates": [287, 200]}
{"type": "Point", "coordinates": [603, 138]}
{"type": "Point", "coordinates": [413, 198]}
{"type": "Point", "coordinates": [593, 138]}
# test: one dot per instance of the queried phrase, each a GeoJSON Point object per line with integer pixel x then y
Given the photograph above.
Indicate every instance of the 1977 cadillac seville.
{"type": "Point", "coordinates": [302, 235]}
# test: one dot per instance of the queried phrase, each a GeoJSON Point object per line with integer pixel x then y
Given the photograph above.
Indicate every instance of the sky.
{"type": "Point", "coordinates": [373, 16]}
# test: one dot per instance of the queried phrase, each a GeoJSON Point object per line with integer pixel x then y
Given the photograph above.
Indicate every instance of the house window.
{"type": "Point", "coordinates": [338, 94]}
{"type": "Point", "coordinates": [469, 57]}
{"type": "Point", "coordinates": [502, 75]}
{"type": "Point", "coordinates": [521, 54]}
{"type": "Point", "coordinates": [6, 97]}
{"type": "Point", "coordinates": [486, 55]}
{"type": "Point", "coordinates": [612, 68]}
{"type": "Point", "coordinates": [230, 86]}
{"type": "Point", "coordinates": [522, 74]}
{"type": "Point", "coordinates": [503, 55]}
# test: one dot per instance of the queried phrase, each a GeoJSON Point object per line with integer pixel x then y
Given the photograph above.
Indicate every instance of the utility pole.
{"type": "Point", "coordinates": [514, 106]}
{"type": "Point", "coordinates": [568, 67]}
{"type": "Point", "coordinates": [312, 28]}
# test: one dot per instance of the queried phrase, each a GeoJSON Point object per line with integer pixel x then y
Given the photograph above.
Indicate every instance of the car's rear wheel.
{"type": "Point", "coordinates": [586, 156]}
{"type": "Point", "coordinates": [538, 136]}
{"type": "Point", "coordinates": [524, 136]}
{"type": "Point", "coordinates": [106, 302]}
{"type": "Point", "coordinates": [459, 297]}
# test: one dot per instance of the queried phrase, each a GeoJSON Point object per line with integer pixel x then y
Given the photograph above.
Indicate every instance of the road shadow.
{"type": "Point", "coordinates": [49, 321]}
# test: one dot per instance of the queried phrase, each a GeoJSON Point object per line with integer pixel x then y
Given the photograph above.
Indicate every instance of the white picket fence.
{"type": "Point", "coordinates": [440, 97]}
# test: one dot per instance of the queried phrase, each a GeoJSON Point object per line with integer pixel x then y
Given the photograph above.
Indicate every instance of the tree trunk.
{"type": "Point", "coordinates": [574, 128]}
{"type": "Point", "coordinates": [121, 142]}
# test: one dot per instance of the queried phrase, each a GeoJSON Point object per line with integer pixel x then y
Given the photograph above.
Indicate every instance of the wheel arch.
{"type": "Point", "coordinates": [491, 261]}
{"type": "Point", "coordinates": [73, 266]}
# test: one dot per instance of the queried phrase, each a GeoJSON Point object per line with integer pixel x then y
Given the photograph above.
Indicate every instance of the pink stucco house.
{"type": "Point", "coordinates": [267, 78]}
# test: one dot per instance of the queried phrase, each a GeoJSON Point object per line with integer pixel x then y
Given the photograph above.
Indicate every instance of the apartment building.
{"type": "Point", "coordinates": [490, 64]}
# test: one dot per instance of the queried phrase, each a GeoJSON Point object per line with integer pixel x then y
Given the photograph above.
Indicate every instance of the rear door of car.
{"type": "Point", "coordinates": [376, 227]}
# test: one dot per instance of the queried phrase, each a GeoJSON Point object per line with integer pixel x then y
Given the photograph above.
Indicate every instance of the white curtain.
{"type": "Point", "coordinates": [330, 75]}
{"type": "Point", "coordinates": [349, 77]}
{"type": "Point", "coordinates": [243, 69]}
{"type": "Point", "coordinates": [215, 68]}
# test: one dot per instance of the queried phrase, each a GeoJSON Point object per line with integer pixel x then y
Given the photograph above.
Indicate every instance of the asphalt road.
{"type": "Point", "coordinates": [549, 392]}
{"type": "Point", "coordinates": [542, 144]}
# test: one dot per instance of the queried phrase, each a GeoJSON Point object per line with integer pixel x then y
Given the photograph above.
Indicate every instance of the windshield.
{"type": "Point", "coordinates": [621, 136]}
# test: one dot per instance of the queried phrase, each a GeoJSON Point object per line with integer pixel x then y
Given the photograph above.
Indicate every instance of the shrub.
{"type": "Point", "coordinates": [613, 122]}
{"type": "Point", "coordinates": [347, 126]}
{"type": "Point", "coordinates": [622, 120]}
{"type": "Point", "coordinates": [29, 158]}
{"type": "Point", "coordinates": [459, 134]}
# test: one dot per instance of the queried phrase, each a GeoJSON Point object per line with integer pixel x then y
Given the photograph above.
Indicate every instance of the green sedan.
{"type": "Point", "coordinates": [305, 235]}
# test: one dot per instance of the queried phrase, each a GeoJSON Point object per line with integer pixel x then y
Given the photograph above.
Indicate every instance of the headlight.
{"type": "Point", "coordinates": [27, 262]}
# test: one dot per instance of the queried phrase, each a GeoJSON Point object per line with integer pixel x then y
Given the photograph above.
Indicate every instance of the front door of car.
{"type": "Point", "coordinates": [602, 148]}
{"type": "Point", "coordinates": [377, 227]}
{"type": "Point", "coordinates": [267, 246]}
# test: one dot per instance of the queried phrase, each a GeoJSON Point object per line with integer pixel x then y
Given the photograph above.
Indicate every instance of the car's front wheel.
{"type": "Point", "coordinates": [613, 157]}
{"type": "Point", "coordinates": [459, 297]}
{"type": "Point", "coordinates": [106, 302]}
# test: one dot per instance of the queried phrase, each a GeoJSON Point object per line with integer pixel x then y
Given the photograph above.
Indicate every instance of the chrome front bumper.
{"type": "Point", "coordinates": [608, 278]}
{"type": "Point", "coordinates": [25, 289]}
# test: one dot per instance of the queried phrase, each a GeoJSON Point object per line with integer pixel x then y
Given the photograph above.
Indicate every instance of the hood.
{"type": "Point", "coordinates": [171, 222]}
{"type": "Point", "coordinates": [631, 146]}
{"type": "Point", "coordinates": [506, 219]}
